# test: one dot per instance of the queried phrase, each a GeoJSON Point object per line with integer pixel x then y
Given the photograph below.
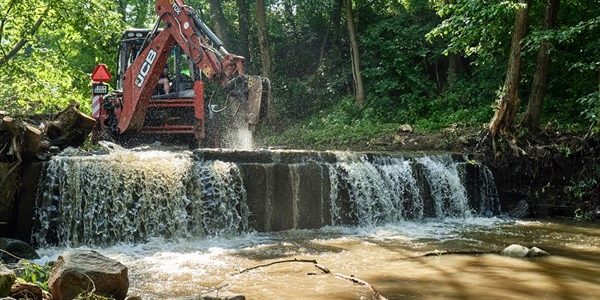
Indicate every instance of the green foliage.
{"type": "Point", "coordinates": [476, 28]}
{"type": "Point", "coordinates": [405, 52]}
{"type": "Point", "coordinates": [342, 124]}
{"type": "Point", "coordinates": [591, 108]}
{"type": "Point", "coordinates": [53, 67]}
{"type": "Point", "coordinates": [34, 273]}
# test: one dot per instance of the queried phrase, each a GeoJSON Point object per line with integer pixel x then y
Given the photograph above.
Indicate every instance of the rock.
{"type": "Point", "coordinates": [133, 298]}
{"type": "Point", "coordinates": [221, 295]}
{"type": "Point", "coordinates": [537, 252]}
{"type": "Point", "coordinates": [521, 210]}
{"type": "Point", "coordinates": [73, 271]}
{"type": "Point", "coordinates": [515, 250]}
{"type": "Point", "coordinates": [404, 129]}
{"type": "Point", "coordinates": [7, 278]}
{"type": "Point", "coordinates": [25, 290]}
{"type": "Point", "coordinates": [17, 248]}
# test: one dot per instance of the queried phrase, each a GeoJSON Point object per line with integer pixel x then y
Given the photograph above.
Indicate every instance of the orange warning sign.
{"type": "Point", "coordinates": [101, 73]}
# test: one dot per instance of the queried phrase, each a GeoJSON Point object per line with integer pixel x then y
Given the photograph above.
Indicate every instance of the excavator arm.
{"type": "Point", "coordinates": [183, 27]}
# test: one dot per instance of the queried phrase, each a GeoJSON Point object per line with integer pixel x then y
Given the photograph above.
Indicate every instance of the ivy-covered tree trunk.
{"type": "Point", "coordinates": [244, 30]}
{"type": "Point", "coordinates": [356, 72]}
{"type": "Point", "coordinates": [265, 50]}
{"type": "Point", "coordinates": [531, 119]}
{"type": "Point", "coordinates": [508, 103]}
{"type": "Point", "coordinates": [216, 13]}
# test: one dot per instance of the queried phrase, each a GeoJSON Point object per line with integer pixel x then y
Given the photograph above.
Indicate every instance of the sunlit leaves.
{"type": "Point", "coordinates": [53, 68]}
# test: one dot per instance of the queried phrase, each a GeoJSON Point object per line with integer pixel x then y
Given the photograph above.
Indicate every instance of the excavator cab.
{"type": "Point", "coordinates": [182, 70]}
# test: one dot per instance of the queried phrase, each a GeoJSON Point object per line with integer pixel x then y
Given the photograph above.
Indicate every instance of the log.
{"type": "Point", "coordinates": [70, 128]}
{"type": "Point", "coordinates": [31, 142]}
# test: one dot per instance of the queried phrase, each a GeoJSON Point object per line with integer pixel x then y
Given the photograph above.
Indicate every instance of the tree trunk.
{"type": "Point", "coordinates": [141, 15]}
{"type": "Point", "coordinates": [332, 32]}
{"type": "Point", "coordinates": [244, 21]}
{"type": "Point", "coordinates": [263, 39]}
{"type": "Point", "coordinates": [508, 104]}
{"type": "Point", "coordinates": [323, 46]}
{"type": "Point", "coordinates": [531, 119]}
{"type": "Point", "coordinates": [453, 61]}
{"type": "Point", "coordinates": [356, 73]}
{"type": "Point", "coordinates": [220, 23]}
{"type": "Point", "coordinates": [289, 17]}
{"type": "Point", "coordinates": [20, 44]}
{"type": "Point", "coordinates": [122, 7]}
{"type": "Point", "coordinates": [336, 23]}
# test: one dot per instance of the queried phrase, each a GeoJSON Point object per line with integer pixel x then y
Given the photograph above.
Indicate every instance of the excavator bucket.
{"type": "Point", "coordinates": [259, 98]}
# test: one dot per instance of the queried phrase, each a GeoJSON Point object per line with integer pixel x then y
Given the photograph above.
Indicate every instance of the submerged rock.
{"type": "Point", "coordinates": [17, 248]}
{"type": "Point", "coordinates": [221, 295]}
{"type": "Point", "coordinates": [522, 251]}
{"type": "Point", "coordinates": [515, 250]}
{"type": "Point", "coordinates": [7, 278]}
{"type": "Point", "coordinates": [537, 252]}
{"type": "Point", "coordinates": [77, 271]}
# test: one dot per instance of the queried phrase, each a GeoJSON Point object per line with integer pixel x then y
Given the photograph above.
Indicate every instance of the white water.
{"type": "Point", "coordinates": [133, 196]}
{"type": "Point", "coordinates": [129, 196]}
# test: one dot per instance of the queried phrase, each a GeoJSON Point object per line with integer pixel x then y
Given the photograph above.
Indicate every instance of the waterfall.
{"type": "Point", "coordinates": [129, 196]}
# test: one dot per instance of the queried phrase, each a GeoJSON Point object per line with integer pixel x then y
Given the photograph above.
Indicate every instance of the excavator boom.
{"type": "Point", "coordinates": [128, 111]}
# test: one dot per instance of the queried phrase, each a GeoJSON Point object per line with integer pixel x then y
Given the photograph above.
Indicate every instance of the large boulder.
{"type": "Point", "coordinates": [17, 248]}
{"type": "Point", "coordinates": [7, 278]}
{"type": "Point", "coordinates": [82, 270]}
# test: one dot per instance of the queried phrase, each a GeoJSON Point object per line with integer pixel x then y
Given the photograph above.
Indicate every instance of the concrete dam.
{"type": "Point", "coordinates": [129, 196]}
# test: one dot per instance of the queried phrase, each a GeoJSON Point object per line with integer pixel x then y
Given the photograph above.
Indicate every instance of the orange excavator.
{"type": "Point", "coordinates": [186, 47]}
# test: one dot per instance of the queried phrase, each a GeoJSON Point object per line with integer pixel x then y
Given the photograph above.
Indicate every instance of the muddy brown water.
{"type": "Point", "coordinates": [388, 257]}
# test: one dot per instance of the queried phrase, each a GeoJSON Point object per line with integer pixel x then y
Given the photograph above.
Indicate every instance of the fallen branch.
{"type": "Point", "coordinates": [352, 279]}
{"type": "Point", "coordinates": [312, 261]}
{"type": "Point", "coordinates": [213, 289]}
{"type": "Point", "coordinates": [448, 252]}
{"type": "Point", "coordinates": [12, 255]}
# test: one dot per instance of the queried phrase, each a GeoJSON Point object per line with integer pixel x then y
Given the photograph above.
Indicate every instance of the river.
{"type": "Point", "coordinates": [389, 257]}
